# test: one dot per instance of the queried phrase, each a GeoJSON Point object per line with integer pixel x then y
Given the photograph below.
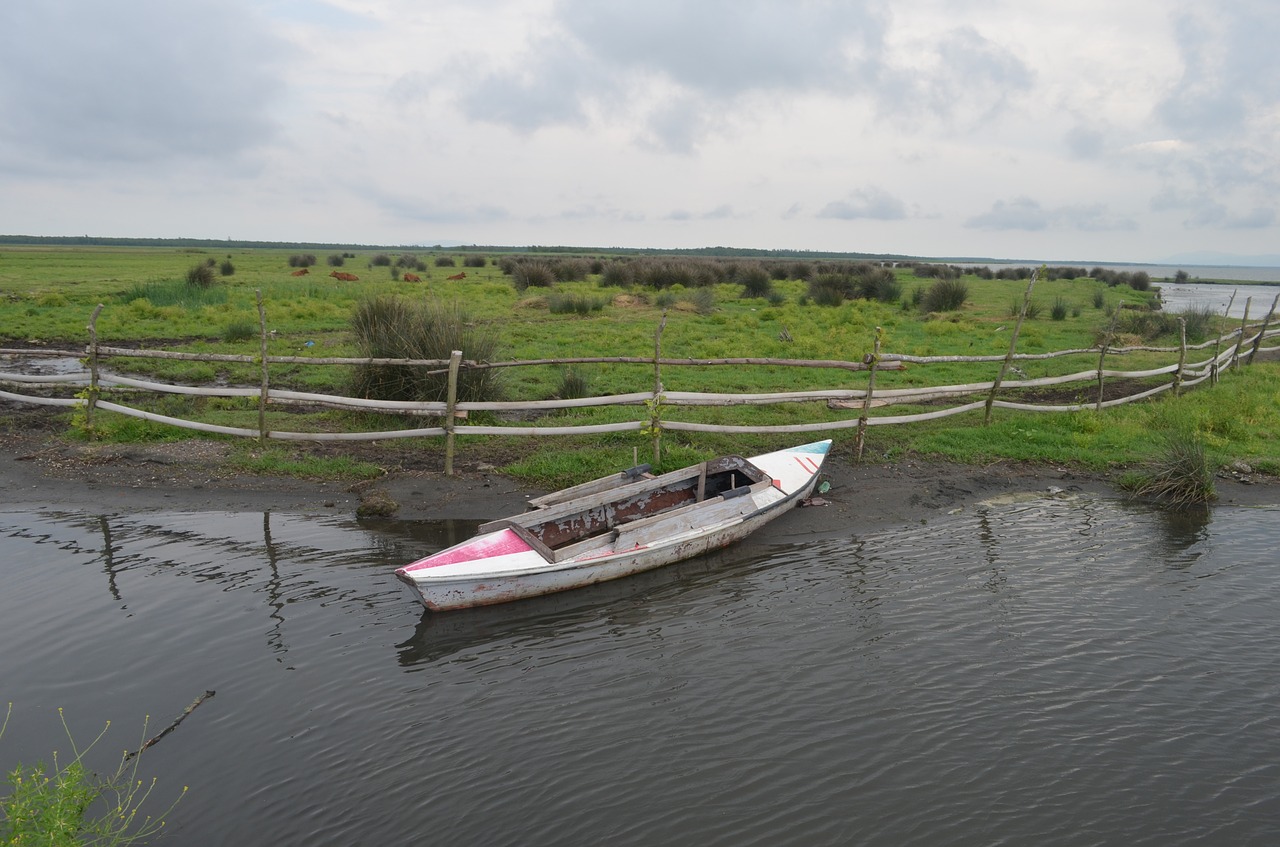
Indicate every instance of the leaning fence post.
{"type": "Point", "coordinates": [1013, 344]}
{"type": "Point", "coordinates": [91, 401]}
{"type": "Point", "coordinates": [450, 409]}
{"type": "Point", "coordinates": [1217, 345]}
{"type": "Point", "coordinates": [266, 383]}
{"type": "Point", "coordinates": [655, 405]}
{"type": "Point", "coordinates": [1106, 343]}
{"type": "Point", "coordinates": [872, 362]}
{"type": "Point", "coordinates": [1182, 357]}
{"type": "Point", "coordinates": [1266, 322]}
{"type": "Point", "coordinates": [1244, 323]}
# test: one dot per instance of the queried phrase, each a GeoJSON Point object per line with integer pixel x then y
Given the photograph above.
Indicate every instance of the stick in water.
{"type": "Point", "coordinates": [171, 727]}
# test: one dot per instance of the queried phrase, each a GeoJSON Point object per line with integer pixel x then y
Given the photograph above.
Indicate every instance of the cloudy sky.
{"type": "Point", "coordinates": [1095, 130]}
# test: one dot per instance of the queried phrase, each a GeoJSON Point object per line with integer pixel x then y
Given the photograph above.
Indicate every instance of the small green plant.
{"type": "Point", "coordinates": [1099, 299]}
{"type": "Point", "coordinates": [227, 268]}
{"type": "Point", "coordinates": [67, 804]}
{"type": "Point", "coordinates": [1180, 475]}
{"type": "Point", "coordinates": [573, 385]}
{"type": "Point", "coordinates": [445, 262]}
{"type": "Point", "coordinates": [703, 301]}
{"type": "Point", "coordinates": [561, 304]}
{"type": "Point", "coordinates": [755, 281]}
{"type": "Point", "coordinates": [1058, 311]}
{"type": "Point", "coordinates": [241, 330]}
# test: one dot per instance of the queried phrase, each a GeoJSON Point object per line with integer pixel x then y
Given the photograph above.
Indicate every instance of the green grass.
{"type": "Point", "coordinates": [47, 295]}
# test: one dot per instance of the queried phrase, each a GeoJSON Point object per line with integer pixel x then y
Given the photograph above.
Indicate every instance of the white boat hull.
{"type": "Point", "coordinates": [499, 566]}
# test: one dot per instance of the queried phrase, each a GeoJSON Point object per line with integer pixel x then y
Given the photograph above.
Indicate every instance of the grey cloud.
{"type": "Point", "coordinates": [972, 81]}
{"type": "Point", "coordinates": [871, 202]}
{"type": "Point", "coordinates": [133, 81]}
{"type": "Point", "coordinates": [1231, 69]}
{"type": "Point", "coordinates": [1024, 213]}
{"type": "Point", "coordinates": [1084, 143]}
{"type": "Point", "coordinates": [712, 52]}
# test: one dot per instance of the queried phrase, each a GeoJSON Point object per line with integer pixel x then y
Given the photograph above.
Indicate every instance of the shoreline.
{"type": "Point", "coordinates": [38, 470]}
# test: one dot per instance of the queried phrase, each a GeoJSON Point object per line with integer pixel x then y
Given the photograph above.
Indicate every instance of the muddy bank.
{"type": "Point", "coordinates": [44, 470]}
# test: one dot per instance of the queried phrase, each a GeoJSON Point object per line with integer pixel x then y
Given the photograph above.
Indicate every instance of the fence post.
{"type": "Point", "coordinates": [1106, 343]}
{"type": "Point", "coordinates": [1013, 344]}
{"type": "Point", "coordinates": [866, 401]}
{"type": "Point", "coordinates": [266, 383]}
{"type": "Point", "coordinates": [1182, 357]}
{"type": "Point", "coordinates": [1244, 323]}
{"type": "Point", "coordinates": [450, 409]}
{"type": "Point", "coordinates": [1217, 345]}
{"type": "Point", "coordinates": [1266, 322]}
{"type": "Point", "coordinates": [91, 402]}
{"type": "Point", "coordinates": [655, 407]}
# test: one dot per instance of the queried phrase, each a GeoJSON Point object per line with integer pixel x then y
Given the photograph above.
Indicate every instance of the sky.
{"type": "Point", "coordinates": [1135, 131]}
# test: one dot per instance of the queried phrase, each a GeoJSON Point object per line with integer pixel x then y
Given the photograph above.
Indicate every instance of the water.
{"type": "Point", "coordinates": [1217, 298]}
{"type": "Point", "coordinates": [1051, 671]}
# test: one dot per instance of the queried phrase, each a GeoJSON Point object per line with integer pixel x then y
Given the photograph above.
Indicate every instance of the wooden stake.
{"type": "Point", "coordinates": [91, 403]}
{"type": "Point", "coordinates": [451, 405]}
{"type": "Point", "coordinates": [1013, 345]}
{"type": "Point", "coordinates": [266, 383]}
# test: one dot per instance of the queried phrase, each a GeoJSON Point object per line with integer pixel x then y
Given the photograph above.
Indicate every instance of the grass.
{"type": "Point", "coordinates": [66, 804]}
{"type": "Point", "coordinates": [1180, 475]}
{"type": "Point", "coordinates": [46, 296]}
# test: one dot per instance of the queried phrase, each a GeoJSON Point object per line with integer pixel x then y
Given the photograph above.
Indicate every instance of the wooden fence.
{"type": "Point", "coordinates": [1230, 349]}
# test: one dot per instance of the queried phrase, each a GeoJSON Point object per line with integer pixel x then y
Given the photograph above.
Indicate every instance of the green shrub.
{"type": "Point", "coordinates": [301, 260]}
{"type": "Point", "coordinates": [380, 260]}
{"type": "Point", "coordinates": [445, 262]}
{"type": "Point", "coordinates": [473, 260]}
{"type": "Point", "coordinates": [337, 260]}
{"type": "Point", "coordinates": [617, 275]}
{"type": "Point", "coordinates": [871, 282]}
{"type": "Point", "coordinates": [945, 295]}
{"type": "Point", "coordinates": [1058, 311]}
{"type": "Point", "coordinates": [388, 327]}
{"type": "Point", "coordinates": [227, 268]}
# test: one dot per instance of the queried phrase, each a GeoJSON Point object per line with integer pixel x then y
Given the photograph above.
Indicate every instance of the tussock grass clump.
{"type": "Point", "coordinates": [301, 260]}
{"type": "Point", "coordinates": [227, 268]}
{"type": "Point", "coordinates": [200, 276]}
{"type": "Point", "coordinates": [945, 295]}
{"type": "Point", "coordinates": [474, 260]}
{"type": "Point", "coordinates": [239, 331]}
{"type": "Point", "coordinates": [756, 281]}
{"type": "Point", "coordinates": [563, 304]}
{"type": "Point", "coordinates": [574, 385]}
{"type": "Point", "coordinates": [176, 293]}
{"type": "Point", "coordinates": [831, 289]}
{"type": "Point", "coordinates": [703, 301]}
{"type": "Point", "coordinates": [445, 262]}
{"type": "Point", "coordinates": [1058, 311]}
{"type": "Point", "coordinates": [532, 275]}
{"type": "Point", "coordinates": [388, 327]}
{"type": "Point", "coordinates": [618, 274]}
{"type": "Point", "coordinates": [1181, 475]}
{"type": "Point", "coordinates": [872, 282]}
{"type": "Point", "coordinates": [336, 260]}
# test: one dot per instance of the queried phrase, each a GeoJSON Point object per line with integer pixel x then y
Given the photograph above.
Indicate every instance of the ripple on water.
{"type": "Point", "coordinates": [1049, 671]}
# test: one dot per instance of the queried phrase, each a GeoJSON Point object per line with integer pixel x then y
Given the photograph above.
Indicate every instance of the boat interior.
{"type": "Point", "coordinates": [590, 516]}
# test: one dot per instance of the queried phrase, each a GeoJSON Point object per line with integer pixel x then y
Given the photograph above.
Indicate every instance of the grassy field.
{"type": "Point", "coordinates": [47, 296]}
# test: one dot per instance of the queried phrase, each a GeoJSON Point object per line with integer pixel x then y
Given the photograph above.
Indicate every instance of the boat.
{"type": "Point", "coordinates": [619, 525]}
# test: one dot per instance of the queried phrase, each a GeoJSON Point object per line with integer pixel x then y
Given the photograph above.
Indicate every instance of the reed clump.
{"type": "Point", "coordinates": [1180, 475]}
